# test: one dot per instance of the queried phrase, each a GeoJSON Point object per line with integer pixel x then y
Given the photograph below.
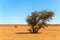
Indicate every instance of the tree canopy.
{"type": "Point", "coordinates": [39, 19]}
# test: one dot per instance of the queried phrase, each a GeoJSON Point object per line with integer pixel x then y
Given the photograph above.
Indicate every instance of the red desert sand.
{"type": "Point", "coordinates": [20, 32]}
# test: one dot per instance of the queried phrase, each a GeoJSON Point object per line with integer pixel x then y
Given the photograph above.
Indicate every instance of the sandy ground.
{"type": "Point", "coordinates": [9, 33]}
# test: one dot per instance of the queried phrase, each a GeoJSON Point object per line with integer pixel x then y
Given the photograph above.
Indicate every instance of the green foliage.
{"type": "Point", "coordinates": [38, 20]}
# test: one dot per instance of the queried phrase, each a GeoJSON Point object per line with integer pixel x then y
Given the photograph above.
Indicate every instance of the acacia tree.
{"type": "Point", "coordinates": [38, 20]}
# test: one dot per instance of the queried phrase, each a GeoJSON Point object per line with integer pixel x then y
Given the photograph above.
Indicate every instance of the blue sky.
{"type": "Point", "coordinates": [16, 11]}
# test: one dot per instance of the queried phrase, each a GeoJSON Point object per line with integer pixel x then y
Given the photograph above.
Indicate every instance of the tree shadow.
{"type": "Point", "coordinates": [27, 33]}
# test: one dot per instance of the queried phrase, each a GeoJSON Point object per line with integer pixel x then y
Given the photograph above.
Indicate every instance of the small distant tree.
{"type": "Point", "coordinates": [15, 26]}
{"type": "Point", "coordinates": [38, 20]}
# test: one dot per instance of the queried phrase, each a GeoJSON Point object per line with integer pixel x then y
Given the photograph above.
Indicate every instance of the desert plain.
{"type": "Point", "coordinates": [10, 32]}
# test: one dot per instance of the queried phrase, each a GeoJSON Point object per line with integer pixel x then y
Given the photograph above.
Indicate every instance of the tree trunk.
{"type": "Point", "coordinates": [34, 30]}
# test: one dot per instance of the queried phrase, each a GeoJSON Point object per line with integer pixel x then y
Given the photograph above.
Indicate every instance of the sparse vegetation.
{"type": "Point", "coordinates": [38, 20]}
{"type": "Point", "coordinates": [15, 26]}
